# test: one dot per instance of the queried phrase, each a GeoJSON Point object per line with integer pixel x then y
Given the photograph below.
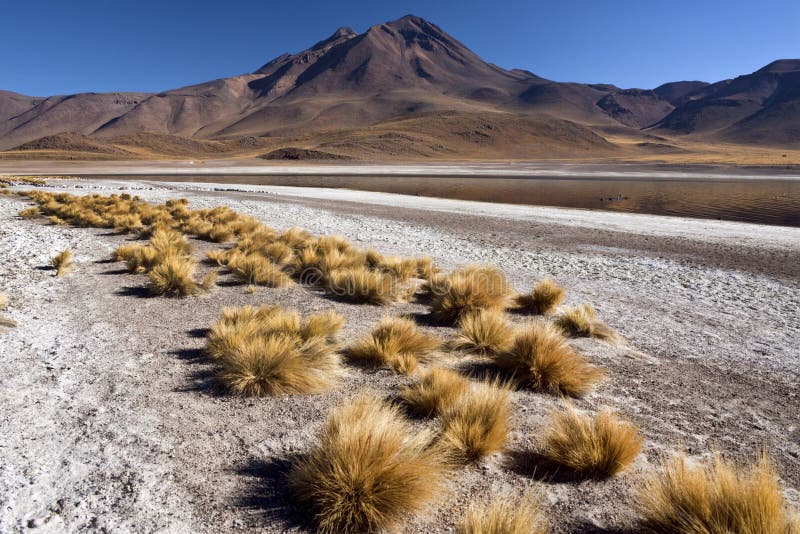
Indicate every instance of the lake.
{"type": "Point", "coordinates": [758, 200]}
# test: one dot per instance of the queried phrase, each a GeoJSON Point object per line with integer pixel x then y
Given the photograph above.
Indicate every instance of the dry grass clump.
{"type": "Point", "coordinates": [236, 325]}
{"type": "Point", "coordinates": [484, 332]}
{"type": "Point", "coordinates": [401, 268]}
{"type": "Point", "coordinates": [720, 497]}
{"type": "Point", "coordinates": [280, 253]}
{"type": "Point", "coordinates": [136, 257]}
{"type": "Point", "coordinates": [164, 245]}
{"type": "Point", "coordinates": [396, 342]}
{"type": "Point", "coordinates": [359, 284]}
{"type": "Point", "coordinates": [435, 392]}
{"type": "Point", "coordinates": [173, 276]}
{"type": "Point", "coordinates": [168, 242]}
{"type": "Point", "coordinates": [295, 237]}
{"type": "Point", "coordinates": [30, 213]}
{"type": "Point", "coordinates": [592, 446]}
{"type": "Point", "coordinates": [209, 280]}
{"type": "Point", "coordinates": [259, 256]}
{"type": "Point", "coordinates": [478, 422]}
{"type": "Point", "coordinates": [323, 325]}
{"type": "Point", "coordinates": [256, 269]}
{"type": "Point", "coordinates": [426, 268]}
{"type": "Point", "coordinates": [218, 257]}
{"type": "Point", "coordinates": [271, 351]}
{"type": "Point", "coordinates": [315, 262]}
{"type": "Point", "coordinates": [541, 358]}
{"type": "Point", "coordinates": [505, 514]}
{"type": "Point", "coordinates": [279, 365]}
{"type": "Point", "coordinates": [62, 262]}
{"type": "Point", "coordinates": [206, 226]}
{"type": "Point", "coordinates": [368, 469]}
{"type": "Point", "coordinates": [545, 297]}
{"type": "Point", "coordinates": [468, 289]}
{"type": "Point", "coordinates": [4, 300]}
{"type": "Point", "coordinates": [56, 221]}
{"type": "Point", "coordinates": [582, 321]}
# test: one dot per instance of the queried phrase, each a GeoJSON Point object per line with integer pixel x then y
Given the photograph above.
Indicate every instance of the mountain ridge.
{"type": "Point", "coordinates": [403, 68]}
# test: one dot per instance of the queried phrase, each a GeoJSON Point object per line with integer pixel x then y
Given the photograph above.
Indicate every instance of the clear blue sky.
{"type": "Point", "coordinates": [57, 47]}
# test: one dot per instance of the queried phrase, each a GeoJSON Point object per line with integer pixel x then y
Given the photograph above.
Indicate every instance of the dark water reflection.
{"type": "Point", "coordinates": [766, 201]}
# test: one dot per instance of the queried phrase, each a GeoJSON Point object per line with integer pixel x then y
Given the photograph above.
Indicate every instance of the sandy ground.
{"type": "Point", "coordinates": [108, 422]}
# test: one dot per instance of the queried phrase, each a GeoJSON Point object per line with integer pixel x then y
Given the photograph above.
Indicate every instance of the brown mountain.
{"type": "Point", "coordinates": [353, 92]}
{"type": "Point", "coordinates": [676, 93]}
{"type": "Point", "coordinates": [758, 108]}
{"type": "Point", "coordinates": [635, 107]}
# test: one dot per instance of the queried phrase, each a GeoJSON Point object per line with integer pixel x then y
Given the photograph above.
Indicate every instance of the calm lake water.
{"type": "Point", "coordinates": [762, 200]}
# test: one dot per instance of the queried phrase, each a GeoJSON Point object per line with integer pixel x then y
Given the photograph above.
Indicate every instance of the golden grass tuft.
{"type": "Point", "coordinates": [279, 365]}
{"type": "Point", "coordinates": [295, 237]}
{"type": "Point", "coordinates": [169, 242]}
{"type": "Point", "coordinates": [477, 424]}
{"type": "Point", "coordinates": [236, 325]}
{"type": "Point", "coordinates": [125, 252]}
{"type": "Point", "coordinates": [541, 358]}
{"type": "Point", "coordinates": [720, 497]}
{"type": "Point", "coordinates": [484, 332]}
{"type": "Point", "coordinates": [256, 269]}
{"type": "Point", "coordinates": [218, 257]}
{"type": "Point", "coordinates": [56, 221]}
{"type": "Point", "coordinates": [435, 392]}
{"type": "Point", "coordinates": [209, 281]}
{"type": "Point", "coordinates": [30, 213]}
{"type": "Point", "coordinates": [545, 297]}
{"type": "Point", "coordinates": [505, 514]}
{"type": "Point", "coordinates": [323, 325]}
{"type": "Point", "coordinates": [597, 446]}
{"type": "Point", "coordinates": [582, 321]}
{"type": "Point", "coordinates": [396, 342]}
{"type": "Point", "coordinates": [280, 253]}
{"type": "Point", "coordinates": [139, 258]}
{"type": "Point", "coordinates": [359, 284]}
{"type": "Point", "coordinates": [174, 276]}
{"type": "Point", "coordinates": [4, 300]}
{"type": "Point", "coordinates": [468, 289]}
{"type": "Point", "coordinates": [62, 262]}
{"type": "Point", "coordinates": [401, 268]}
{"type": "Point", "coordinates": [368, 469]}
{"type": "Point", "coordinates": [426, 268]}
{"type": "Point", "coordinates": [270, 351]}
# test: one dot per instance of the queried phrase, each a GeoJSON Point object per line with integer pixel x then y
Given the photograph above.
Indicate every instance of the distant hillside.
{"type": "Point", "coordinates": [758, 108]}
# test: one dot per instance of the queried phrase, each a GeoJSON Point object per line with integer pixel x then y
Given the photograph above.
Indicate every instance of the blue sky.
{"type": "Point", "coordinates": [58, 47]}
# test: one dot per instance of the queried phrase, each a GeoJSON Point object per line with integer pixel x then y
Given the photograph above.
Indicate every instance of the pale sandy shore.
{"type": "Point", "coordinates": [107, 420]}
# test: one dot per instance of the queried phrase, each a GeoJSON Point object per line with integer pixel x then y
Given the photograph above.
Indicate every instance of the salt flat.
{"type": "Point", "coordinates": [108, 422]}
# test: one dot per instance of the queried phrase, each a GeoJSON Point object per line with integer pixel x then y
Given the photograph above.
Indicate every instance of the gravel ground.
{"type": "Point", "coordinates": [107, 420]}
